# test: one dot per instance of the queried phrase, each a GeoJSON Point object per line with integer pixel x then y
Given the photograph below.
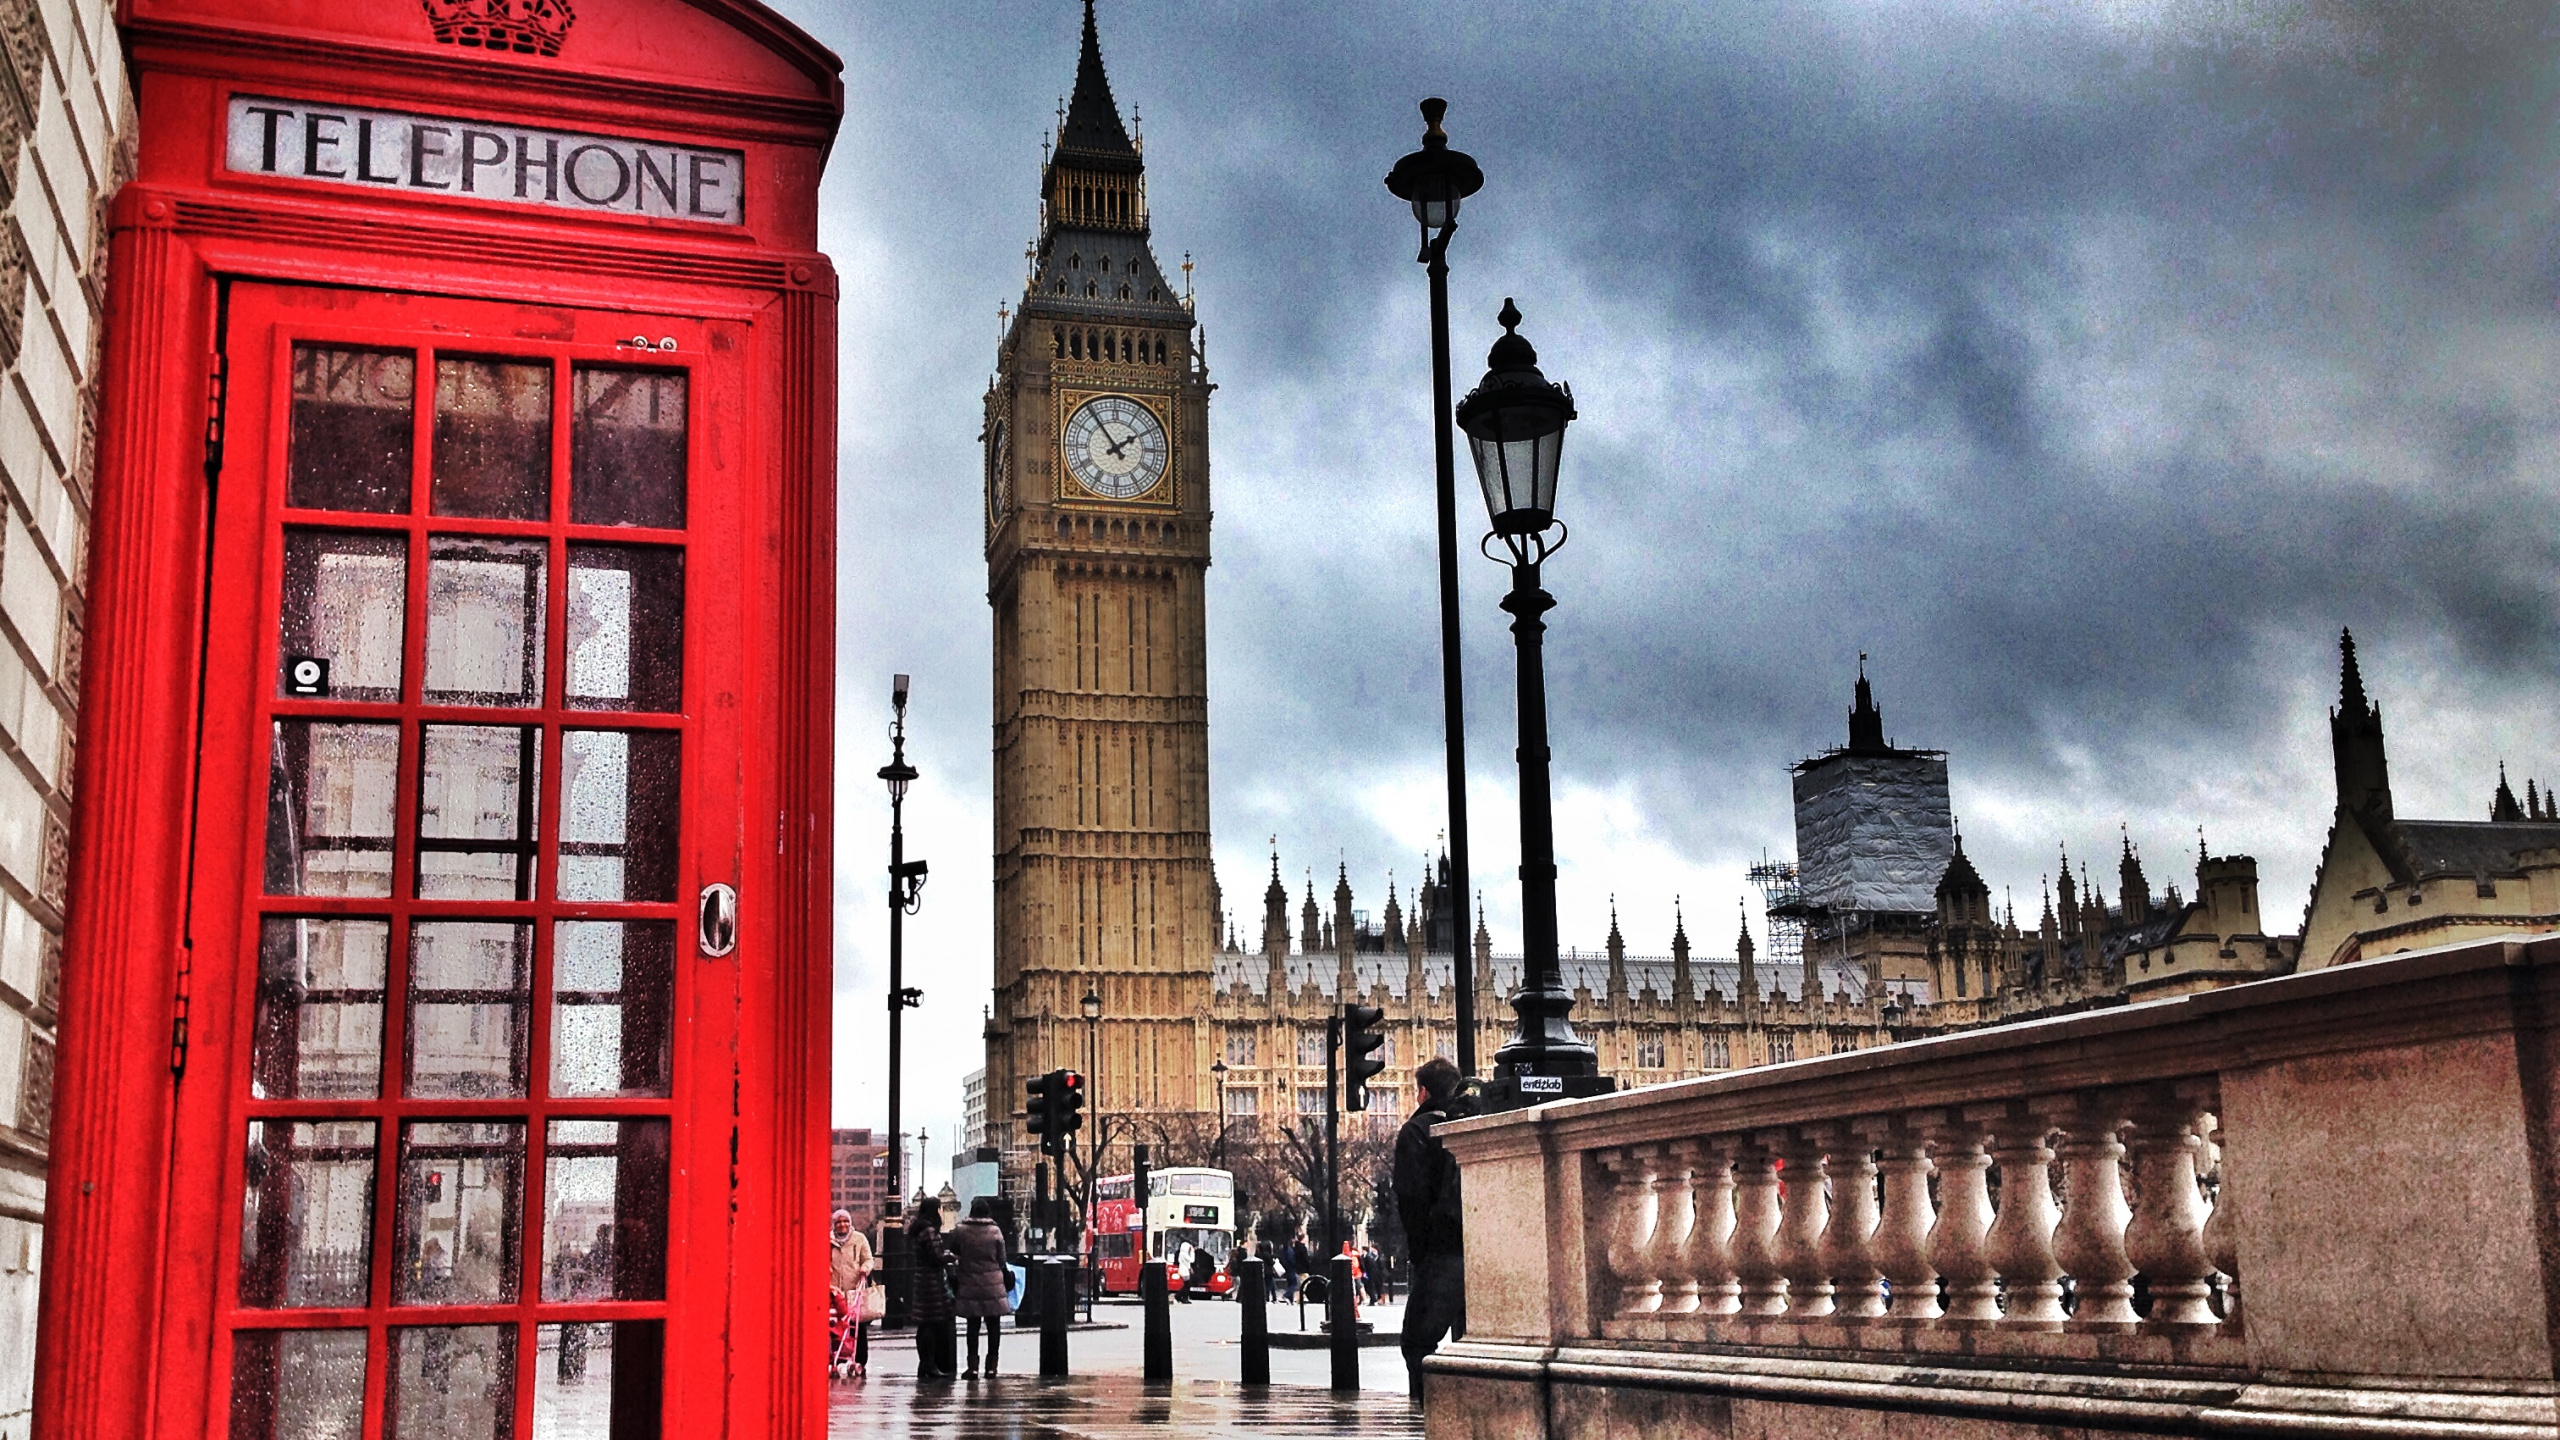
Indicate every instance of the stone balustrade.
{"type": "Point", "coordinates": [2326, 1204]}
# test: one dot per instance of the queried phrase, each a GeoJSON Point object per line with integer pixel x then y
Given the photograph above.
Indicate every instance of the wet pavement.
{"type": "Point", "coordinates": [1105, 1398]}
{"type": "Point", "coordinates": [1104, 1407]}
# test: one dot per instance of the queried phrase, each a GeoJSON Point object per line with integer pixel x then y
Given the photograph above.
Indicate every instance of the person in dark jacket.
{"type": "Point", "coordinates": [978, 1247]}
{"type": "Point", "coordinates": [929, 1301]}
{"type": "Point", "coordinates": [1426, 1187]}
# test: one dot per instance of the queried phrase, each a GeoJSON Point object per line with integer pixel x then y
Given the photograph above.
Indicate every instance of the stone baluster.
{"type": "Point", "coordinates": [1710, 1248]}
{"type": "Point", "coordinates": [2090, 1242]}
{"type": "Point", "coordinates": [1674, 1291]}
{"type": "Point", "coordinates": [2021, 1240]}
{"type": "Point", "coordinates": [1964, 1218]}
{"type": "Point", "coordinates": [1848, 1242]}
{"type": "Point", "coordinates": [1755, 1231]}
{"type": "Point", "coordinates": [2165, 1239]}
{"type": "Point", "coordinates": [1805, 1207]}
{"type": "Point", "coordinates": [1901, 1242]}
{"type": "Point", "coordinates": [2222, 1231]}
{"type": "Point", "coordinates": [1630, 1226]}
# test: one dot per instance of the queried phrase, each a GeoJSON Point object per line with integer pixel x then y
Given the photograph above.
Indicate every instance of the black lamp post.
{"type": "Point", "coordinates": [906, 887]}
{"type": "Point", "coordinates": [1218, 1071]}
{"type": "Point", "coordinates": [1091, 1008]}
{"type": "Point", "coordinates": [1515, 420]}
{"type": "Point", "coordinates": [1434, 179]}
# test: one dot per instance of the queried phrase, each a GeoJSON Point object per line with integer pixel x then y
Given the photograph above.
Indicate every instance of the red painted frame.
{"type": "Point", "coordinates": [138, 1282]}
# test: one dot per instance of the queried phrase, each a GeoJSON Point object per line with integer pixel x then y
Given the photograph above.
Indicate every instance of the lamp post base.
{"type": "Point", "coordinates": [1520, 1091]}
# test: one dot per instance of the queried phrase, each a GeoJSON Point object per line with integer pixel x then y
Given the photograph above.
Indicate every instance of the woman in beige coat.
{"type": "Point", "coordinates": [849, 1270]}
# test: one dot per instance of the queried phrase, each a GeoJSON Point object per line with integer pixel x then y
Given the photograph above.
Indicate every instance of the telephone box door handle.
{"type": "Point", "coordinates": [719, 920]}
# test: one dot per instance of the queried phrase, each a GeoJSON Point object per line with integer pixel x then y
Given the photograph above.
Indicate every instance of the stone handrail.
{"type": "Point", "coordinates": [2322, 1204]}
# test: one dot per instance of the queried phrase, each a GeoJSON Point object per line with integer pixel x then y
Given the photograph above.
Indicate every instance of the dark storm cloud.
{"type": "Point", "coordinates": [2087, 365]}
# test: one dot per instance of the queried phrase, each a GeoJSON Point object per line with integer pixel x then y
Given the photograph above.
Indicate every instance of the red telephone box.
{"type": "Point", "coordinates": [445, 996]}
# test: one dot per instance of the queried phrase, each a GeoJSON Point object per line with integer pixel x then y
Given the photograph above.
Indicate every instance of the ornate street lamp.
{"type": "Point", "coordinates": [906, 889]}
{"type": "Point", "coordinates": [1434, 179]}
{"type": "Point", "coordinates": [1515, 420]}
{"type": "Point", "coordinates": [1218, 1072]}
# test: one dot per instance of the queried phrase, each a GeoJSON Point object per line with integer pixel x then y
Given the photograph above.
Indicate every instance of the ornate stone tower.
{"type": "Point", "coordinates": [1097, 509]}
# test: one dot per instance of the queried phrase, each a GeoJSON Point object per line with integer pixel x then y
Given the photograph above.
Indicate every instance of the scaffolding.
{"type": "Point", "coordinates": [1782, 913]}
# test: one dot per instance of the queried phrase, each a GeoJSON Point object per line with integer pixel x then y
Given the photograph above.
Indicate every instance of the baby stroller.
{"type": "Point", "coordinates": [841, 1329]}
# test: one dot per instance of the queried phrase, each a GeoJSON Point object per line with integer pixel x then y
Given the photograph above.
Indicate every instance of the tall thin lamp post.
{"type": "Point", "coordinates": [1218, 1074]}
{"type": "Point", "coordinates": [906, 890]}
{"type": "Point", "coordinates": [1515, 420]}
{"type": "Point", "coordinates": [1433, 180]}
{"type": "Point", "coordinates": [1091, 1008]}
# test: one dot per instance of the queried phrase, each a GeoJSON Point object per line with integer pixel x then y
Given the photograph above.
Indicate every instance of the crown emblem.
{"type": "Point", "coordinates": [521, 27]}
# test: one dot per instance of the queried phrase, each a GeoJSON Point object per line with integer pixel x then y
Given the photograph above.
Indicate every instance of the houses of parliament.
{"type": "Point", "coordinates": [1098, 489]}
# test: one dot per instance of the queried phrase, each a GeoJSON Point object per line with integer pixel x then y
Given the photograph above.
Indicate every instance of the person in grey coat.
{"type": "Point", "coordinates": [977, 1247]}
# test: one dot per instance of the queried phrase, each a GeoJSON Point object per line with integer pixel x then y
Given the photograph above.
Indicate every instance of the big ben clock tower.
{"type": "Point", "coordinates": [1097, 508]}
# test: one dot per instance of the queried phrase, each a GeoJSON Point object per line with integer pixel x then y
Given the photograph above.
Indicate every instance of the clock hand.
{"type": "Point", "coordinates": [1116, 449]}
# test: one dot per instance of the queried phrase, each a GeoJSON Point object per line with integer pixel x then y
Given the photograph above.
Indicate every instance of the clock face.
{"type": "Point", "coordinates": [1115, 447]}
{"type": "Point", "coordinates": [999, 472]}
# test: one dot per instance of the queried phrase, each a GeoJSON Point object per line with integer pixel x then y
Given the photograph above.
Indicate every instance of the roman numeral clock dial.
{"type": "Point", "coordinates": [1115, 447]}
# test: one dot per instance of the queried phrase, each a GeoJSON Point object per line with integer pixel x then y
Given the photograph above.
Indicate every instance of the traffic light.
{"type": "Point", "coordinates": [1056, 1110]}
{"type": "Point", "coordinates": [1068, 1098]}
{"type": "Point", "coordinates": [1041, 1113]}
{"type": "Point", "coordinates": [1361, 1043]}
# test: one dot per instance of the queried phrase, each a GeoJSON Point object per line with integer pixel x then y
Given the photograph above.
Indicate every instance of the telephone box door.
{"type": "Point", "coordinates": [468, 902]}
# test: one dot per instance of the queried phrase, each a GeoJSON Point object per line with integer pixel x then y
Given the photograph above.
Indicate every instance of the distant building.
{"type": "Point", "coordinates": [973, 1108]}
{"type": "Point", "coordinates": [857, 1174]}
{"type": "Point", "coordinates": [2386, 884]}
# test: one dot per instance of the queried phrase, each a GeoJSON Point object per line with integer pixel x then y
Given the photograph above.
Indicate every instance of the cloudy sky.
{"type": "Point", "coordinates": [2088, 366]}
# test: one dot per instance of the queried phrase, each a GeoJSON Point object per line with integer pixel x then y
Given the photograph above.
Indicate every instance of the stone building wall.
{"type": "Point", "coordinates": [66, 143]}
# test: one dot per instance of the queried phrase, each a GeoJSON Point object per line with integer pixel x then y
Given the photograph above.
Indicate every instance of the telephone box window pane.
{"type": "Point", "coordinates": [493, 439]}
{"type": "Point", "coordinates": [612, 994]}
{"type": "Point", "coordinates": [626, 628]}
{"type": "Point", "coordinates": [477, 791]}
{"type": "Point", "coordinates": [451, 1382]}
{"type": "Point", "coordinates": [604, 1210]}
{"type": "Point", "coordinates": [352, 429]}
{"type": "Point", "coordinates": [485, 612]}
{"type": "Point", "coordinates": [470, 984]}
{"type": "Point", "coordinates": [319, 1032]}
{"type": "Point", "coordinates": [297, 1384]}
{"type": "Point", "coordinates": [618, 814]}
{"type": "Point", "coordinates": [330, 796]}
{"type": "Point", "coordinates": [612, 1371]}
{"type": "Point", "coordinates": [461, 1197]}
{"type": "Point", "coordinates": [626, 450]}
{"type": "Point", "coordinates": [306, 1219]}
{"type": "Point", "coordinates": [345, 595]}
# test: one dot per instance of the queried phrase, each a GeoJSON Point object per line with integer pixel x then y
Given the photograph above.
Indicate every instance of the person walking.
{"type": "Point", "coordinates": [1178, 1276]}
{"type": "Point", "coordinates": [980, 1276]}
{"type": "Point", "coordinates": [849, 1269]}
{"type": "Point", "coordinates": [1426, 1189]}
{"type": "Point", "coordinates": [929, 1300]}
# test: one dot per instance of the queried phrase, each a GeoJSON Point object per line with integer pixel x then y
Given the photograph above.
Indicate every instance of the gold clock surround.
{"type": "Point", "coordinates": [1166, 494]}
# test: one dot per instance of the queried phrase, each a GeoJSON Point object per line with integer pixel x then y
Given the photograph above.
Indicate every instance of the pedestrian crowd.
{"type": "Point", "coordinates": [965, 1275]}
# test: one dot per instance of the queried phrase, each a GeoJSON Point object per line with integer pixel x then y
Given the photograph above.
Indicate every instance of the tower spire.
{"type": "Point", "coordinates": [1866, 722]}
{"type": "Point", "coordinates": [2355, 742]}
{"type": "Point", "coordinates": [1092, 124]}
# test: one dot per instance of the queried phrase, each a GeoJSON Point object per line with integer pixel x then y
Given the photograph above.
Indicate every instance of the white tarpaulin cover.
{"type": "Point", "coordinates": [1873, 832]}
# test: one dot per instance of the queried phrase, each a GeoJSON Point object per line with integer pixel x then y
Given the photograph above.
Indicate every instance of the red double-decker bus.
{"type": "Point", "coordinates": [1185, 1205]}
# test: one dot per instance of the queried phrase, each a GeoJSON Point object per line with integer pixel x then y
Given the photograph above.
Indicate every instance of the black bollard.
{"type": "Point", "coordinates": [1342, 1310]}
{"type": "Point", "coordinates": [1152, 1278]}
{"type": "Point", "coordinates": [1053, 1281]}
{"type": "Point", "coordinates": [1255, 1277]}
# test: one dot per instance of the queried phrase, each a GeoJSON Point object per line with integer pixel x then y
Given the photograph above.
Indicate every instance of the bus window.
{"type": "Point", "coordinates": [1114, 1247]}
